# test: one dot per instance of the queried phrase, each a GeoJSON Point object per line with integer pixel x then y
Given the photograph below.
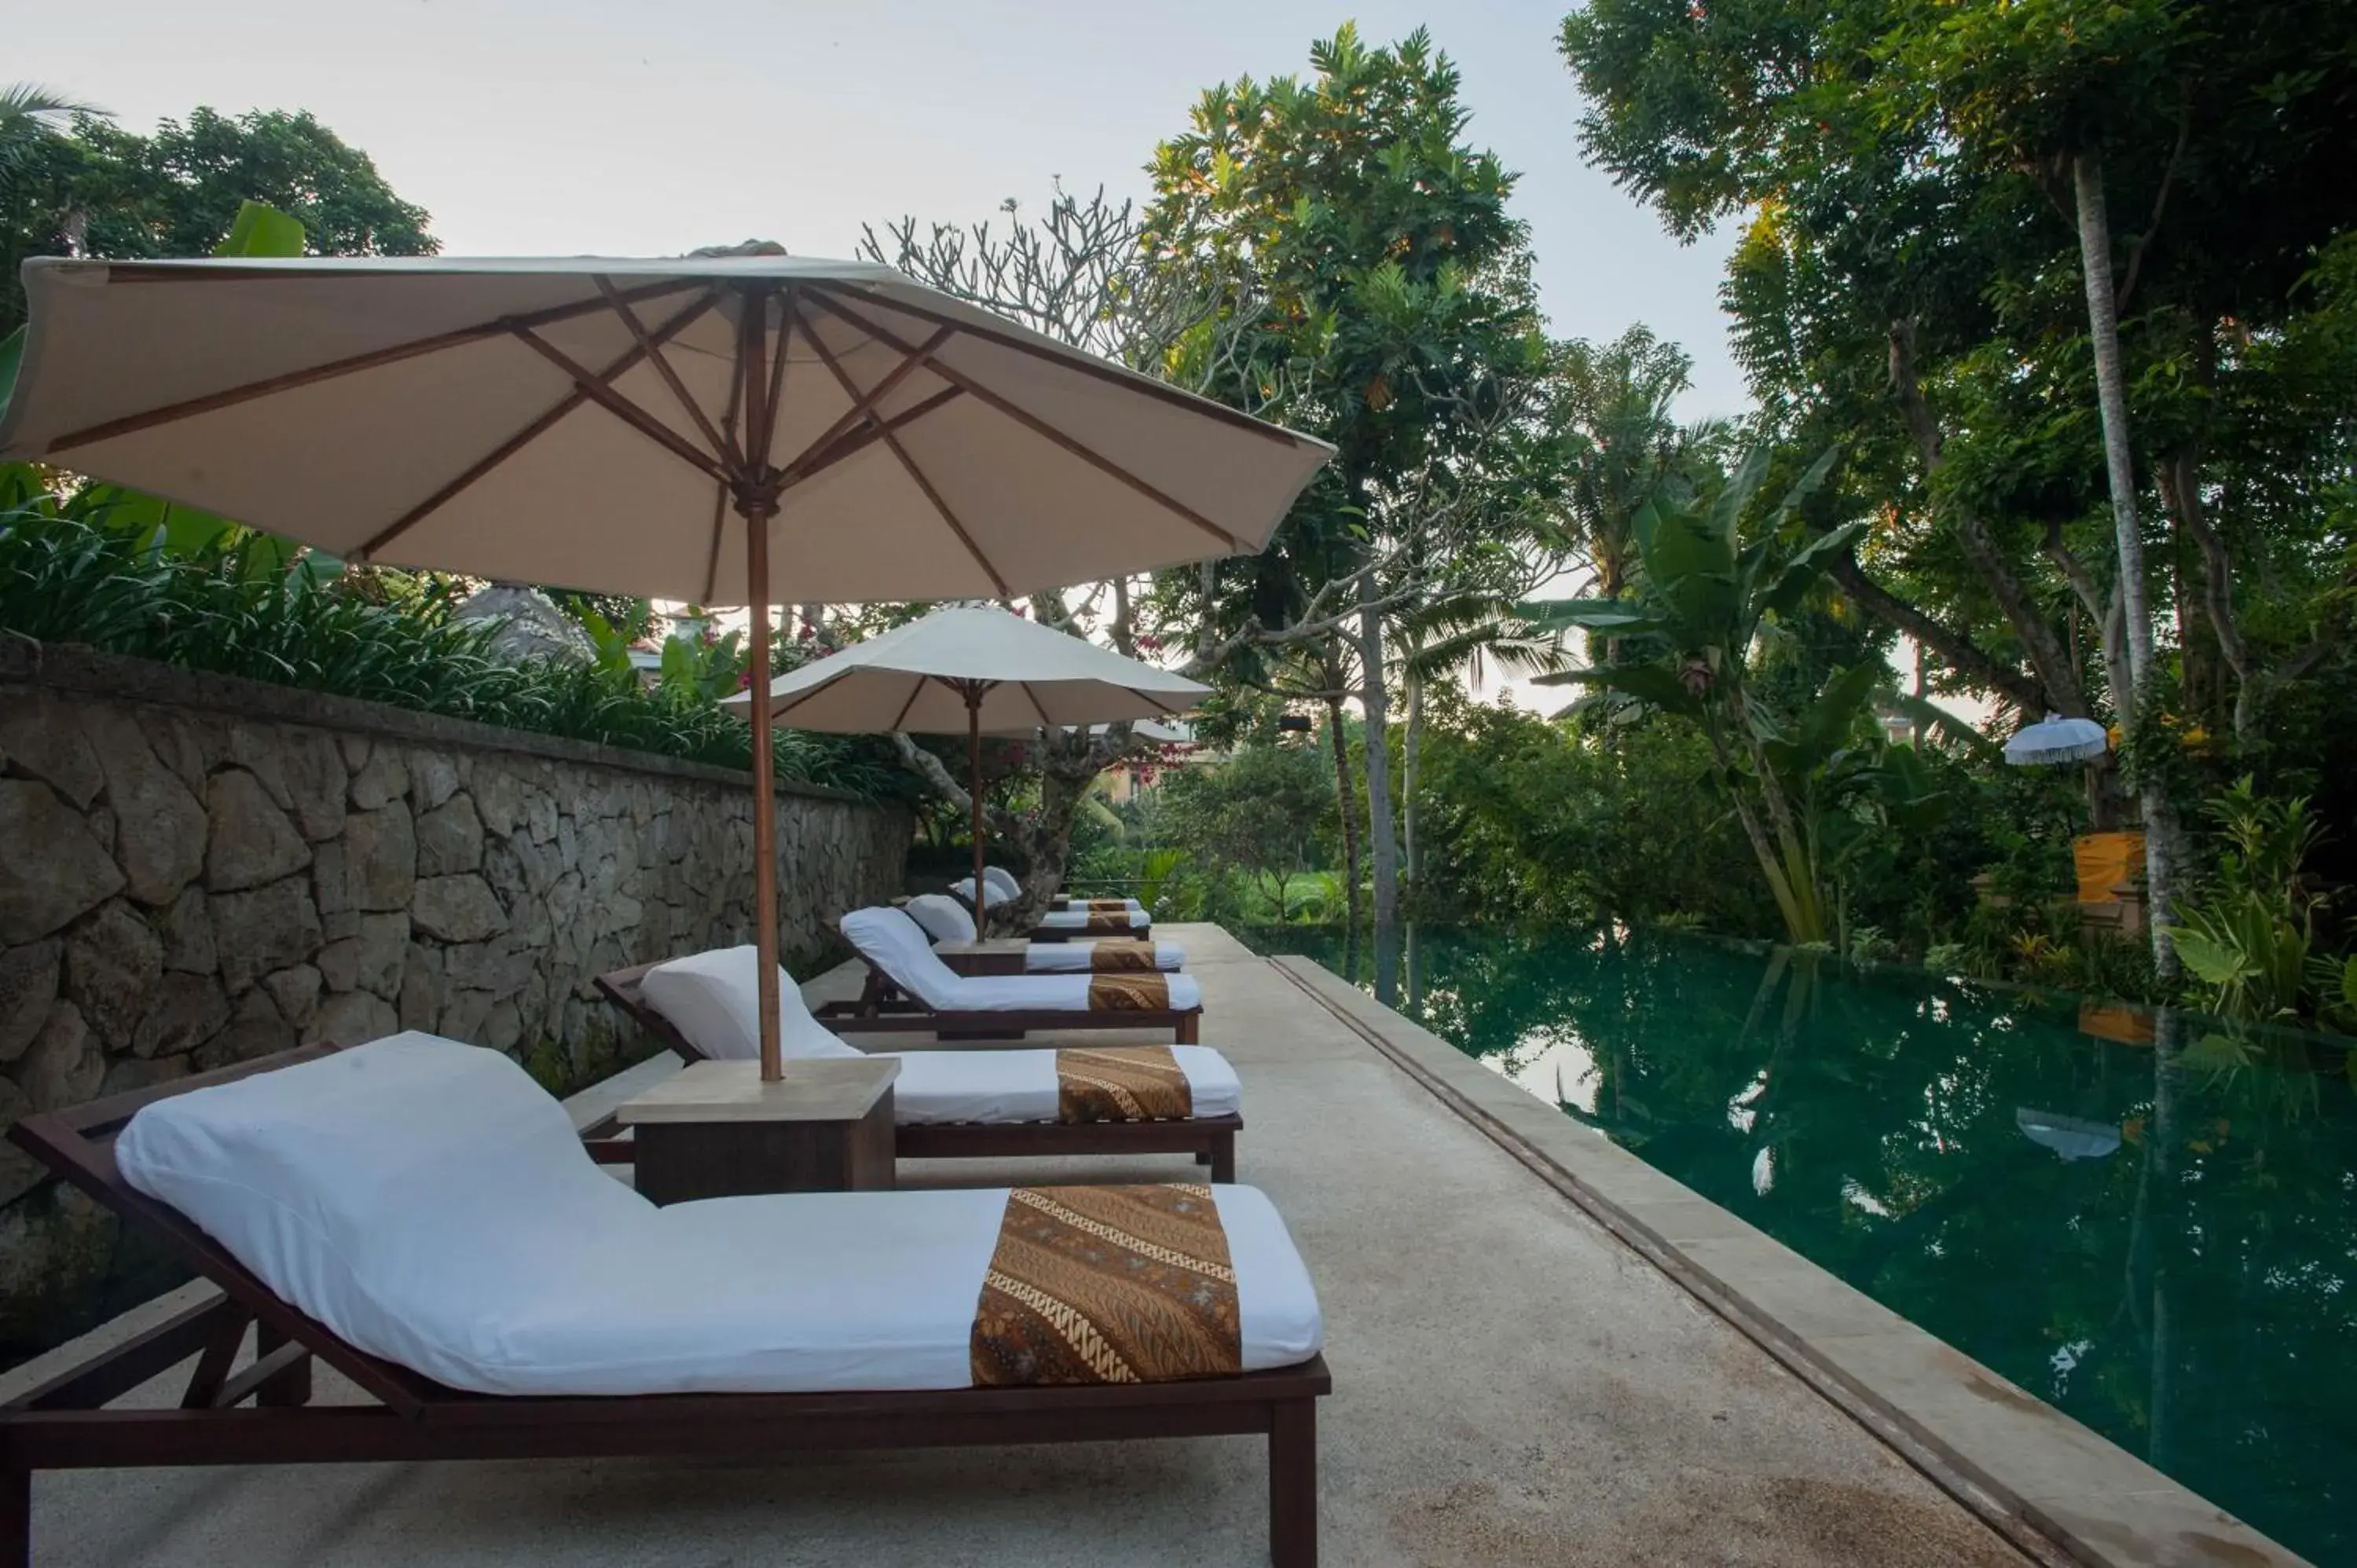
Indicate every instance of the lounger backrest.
{"type": "Point", "coordinates": [944, 919]}
{"type": "Point", "coordinates": [991, 895]}
{"type": "Point", "coordinates": [404, 1193]}
{"type": "Point", "coordinates": [896, 945]}
{"type": "Point", "coordinates": [713, 1000]}
{"type": "Point", "coordinates": [1003, 881]}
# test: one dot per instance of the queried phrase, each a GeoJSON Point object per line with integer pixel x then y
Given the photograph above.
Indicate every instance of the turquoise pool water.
{"type": "Point", "coordinates": [2162, 1248]}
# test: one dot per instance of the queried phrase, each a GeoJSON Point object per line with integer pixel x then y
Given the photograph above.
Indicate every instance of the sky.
{"type": "Point", "coordinates": [529, 127]}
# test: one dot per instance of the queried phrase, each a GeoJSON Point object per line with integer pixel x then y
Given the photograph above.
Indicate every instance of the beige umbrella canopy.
{"type": "Point", "coordinates": [724, 429]}
{"type": "Point", "coordinates": [972, 671]}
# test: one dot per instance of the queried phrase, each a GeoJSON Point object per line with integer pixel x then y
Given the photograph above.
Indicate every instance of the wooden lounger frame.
{"type": "Point", "coordinates": [1143, 933]}
{"type": "Point", "coordinates": [64, 1424]}
{"type": "Point", "coordinates": [1210, 1139]}
{"type": "Point", "coordinates": [883, 1007]}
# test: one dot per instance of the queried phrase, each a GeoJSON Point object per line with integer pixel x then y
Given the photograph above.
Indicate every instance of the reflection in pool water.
{"type": "Point", "coordinates": [2155, 1236]}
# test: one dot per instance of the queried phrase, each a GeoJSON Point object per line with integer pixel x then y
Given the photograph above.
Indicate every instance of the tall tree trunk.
{"type": "Point", "coordinates": [1345, 808]}
{"type": "Point", "coordinates": [1382, 842]}
{"type": "Point", "coordinates": [1411, 758]}
{"type": "Point", "coordinates": [2119, 463]}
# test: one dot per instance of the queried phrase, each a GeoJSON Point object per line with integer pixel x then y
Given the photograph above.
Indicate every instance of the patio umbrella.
{"type": "Point", "coordinates": [732, 428]}
{"type": "Point", "coordinates": [974, 671]}
{"type": "Point", "coordinates": [2055, 740]}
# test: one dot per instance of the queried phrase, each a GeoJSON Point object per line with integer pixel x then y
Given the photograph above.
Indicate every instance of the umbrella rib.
{"type": "Point", "coordinates": [1087, 367]}
{"type": "Point", "coordinates": [868, 434]}
{"type": "Point", "coordinates": [663, 333]}
{"type": "Point", "coordinates": [862, 405]}
{"type": "Point", "coordinates": [229, 397]}
{"type": "Point", "coordinates": [722, 448]}
{"type": "Point", "coordinates": [916, 689]}
{"type": "Point", "coordinates": [1037, 707]}
{"type": "Point", "coordinates": [720, 498]}
{"type": "Point", "coordinates": [623, 408]}
{"type": "Point", "coordinates": [1039, 427]}
{"type": "Point", "coordinates": [892, 444]}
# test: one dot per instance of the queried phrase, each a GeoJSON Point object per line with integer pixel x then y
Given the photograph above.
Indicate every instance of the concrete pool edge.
{"type": "Point", "coordinates": [2052, 1486]}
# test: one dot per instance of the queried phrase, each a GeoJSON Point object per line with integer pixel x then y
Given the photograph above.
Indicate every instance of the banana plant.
{"type": "Point", "coordinates": [1685, 635]}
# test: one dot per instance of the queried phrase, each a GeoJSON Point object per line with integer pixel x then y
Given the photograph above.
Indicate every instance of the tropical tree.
{"type": "Point", "coordinates": [1706, 591]}
{"type": "Point", "coordinates": [1258, 812]}
{"type": "Point", "coordinates": [1397, 294]}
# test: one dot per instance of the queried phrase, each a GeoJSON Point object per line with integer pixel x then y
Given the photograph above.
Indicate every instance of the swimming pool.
{"type": "Point", "coordinates": [2162, 1248]}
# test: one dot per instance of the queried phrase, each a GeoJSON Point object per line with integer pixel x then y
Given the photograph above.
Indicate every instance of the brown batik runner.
{"type": "Point", "coordinates": [1106, 922]}
{"type": "Point", "coordinates": [1123, 958]}
{"type": "Point", "coordinates": [1126, 1083]}
{"type": "Point", "coordinates": [1107, 1284]}
{"type": "Point", "coordinates": [1129, 992]}
{"type": "Point", "coordinates": [1096, 905]}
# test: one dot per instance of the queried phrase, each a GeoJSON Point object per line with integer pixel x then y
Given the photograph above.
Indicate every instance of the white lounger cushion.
{"type": "Point", "coordinates": [896, 944]}
{"type": "Point", "coordinates": [1003, 881]}
{"type": "Point", "coordinates": [946, 920]}
{"type": "Point", "coordinates": [992, 897]}
{"type": "Point", "coordinates": [943, 918]}
{"type": "Point", "coordinates": [1078, 920]}
{"type": "Point", "coordinates": [1020, 1085]}
{"type": "Point", "coordinates": [710, 1000]}
{"type": "Point", "coordinates": [1084, 901]}
{"type": "Point", "coordinates": [713, 999]}
{"type": "Point", "coordinates": [429, 1203]}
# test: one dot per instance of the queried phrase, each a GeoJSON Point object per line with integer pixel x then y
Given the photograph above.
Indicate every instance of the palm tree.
{"type": "Point", "coordinates": [30, 113]}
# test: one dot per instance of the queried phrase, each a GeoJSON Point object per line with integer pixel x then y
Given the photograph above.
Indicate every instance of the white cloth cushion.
{"type": "Point", "coordinates": [1083, 899]}
{"type": "Point", "coordinates": [1078, 920]}
{"type": "Point", "coordinates": [1020, 1085]}
{"type": "Point", "coordinates": [1004, 881]}
{"type": "Point", "coordinates": [715, 1001]}
{"type": "Point", "coordinates": [429, 1203]}
{"type": "Point", "coordinates": [1072, 958]}
{"type": "Point", "coordinates": [963, 890]}
{"type": "Point", "coordinates": [943, 918]}
{"type": "Point", "coordinates": [896, 944]}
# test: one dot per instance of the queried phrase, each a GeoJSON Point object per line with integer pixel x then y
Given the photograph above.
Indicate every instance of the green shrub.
{"type": "Point", "coordinates": [236, 605]}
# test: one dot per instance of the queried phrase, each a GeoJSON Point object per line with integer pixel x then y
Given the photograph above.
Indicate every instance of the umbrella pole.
{"type": "Point", "coordinates": [974, 792]}
{"type": "Point", "coordinates": [765, 793]}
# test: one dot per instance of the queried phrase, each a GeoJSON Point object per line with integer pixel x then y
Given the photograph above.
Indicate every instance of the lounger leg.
{"type": "Point", "coordinates": [1190, 1028]}
{"type": "Point", "coordinates": [1223, 1158]}
{"type": "Point", "coordinates": [16, 1517]}
{"type": "Point", "coordinates": [289, 1388]}
{"type": "Point", "coordinates": [1293, 1484]}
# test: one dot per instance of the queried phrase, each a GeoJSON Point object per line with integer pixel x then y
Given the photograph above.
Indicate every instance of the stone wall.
{"type": "Point", "coordinates": [196, 870]}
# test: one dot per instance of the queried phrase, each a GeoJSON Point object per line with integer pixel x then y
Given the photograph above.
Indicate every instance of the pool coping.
{"type": "Point", "coordinates": [2055, 1488]}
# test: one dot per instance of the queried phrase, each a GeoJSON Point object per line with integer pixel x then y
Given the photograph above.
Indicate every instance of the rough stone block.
{"type": "Point", "coordinates": [185, 1011]}
{"type": "Point", "coordinates": [296, 991]}
{"type": "Point", "coordinates": [29, 977]}
{"type": "Point", "coordinates": [264, 929]}
{"type": "Point", "coordinates": [51, 869]}
{"type": "Point", "coordinates": [65, 1062]}
{"type": "Point", "coordinates": [114, 960]}
{"type": "Point", "coordinates": [251, 841]}
{"type": "Point", "coordinates": [450, 839]}
{"type": "Point", "coordinates": [432, 778]}
{"type": "Point", "coordinates": [457, 908]}
{"type": "Point", "coordinates": [421, 987]}
{"type": "Point", "coordinates": [373, 867]}
{"type": "Point", "coordinates": [187, 928]}
{"type": "Point", "coordinates": [255, 1030]}
{"type": "Point", "coordinates": [353, 1018]}
{"type": "Point", "coordinates": [159, 834]}
{"type": "Point", "coordinates": [380, 781]}
{"type": "Point", "coordinates": [39, 735]}
{"type": "Point", "coordinates": [370, 961]}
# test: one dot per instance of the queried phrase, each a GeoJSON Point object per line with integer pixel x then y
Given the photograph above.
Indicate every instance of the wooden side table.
{"type": "Point", "coordinates": [715, 1129]}
{"type": "Point", "coordinates": [998, 955]}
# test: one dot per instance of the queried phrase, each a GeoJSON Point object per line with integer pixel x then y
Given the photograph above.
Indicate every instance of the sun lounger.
{"type": "Point", "coordinates": [947, 921]}
{"type": "Point", "coordinates": [967, 1104]}
{"type": "Point", "coordinates": [419, 1215]}
{"type": "Point", "coordinates": [1066, 921]}
{"type": "Point", "coordinates": [908, 987]}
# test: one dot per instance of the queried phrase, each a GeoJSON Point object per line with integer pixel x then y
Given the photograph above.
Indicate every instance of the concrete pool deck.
{"type": "Point", "coordinates": [1525, 1368]}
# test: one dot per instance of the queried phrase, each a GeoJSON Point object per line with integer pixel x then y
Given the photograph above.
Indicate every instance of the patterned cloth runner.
{"type": "Point", "coordinates": [1107, 1284]}
{"type": "Point", "coordinates": [1104, 922]}
{"type": "Point", "coordinates": [1129, 992]}
{"type": "Point", "coordinates": [1123, 958]}
{"type": "Point", "coordinates": [1096, 905]}
{"type": "Point", "coordinates": [1126, 1083]}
